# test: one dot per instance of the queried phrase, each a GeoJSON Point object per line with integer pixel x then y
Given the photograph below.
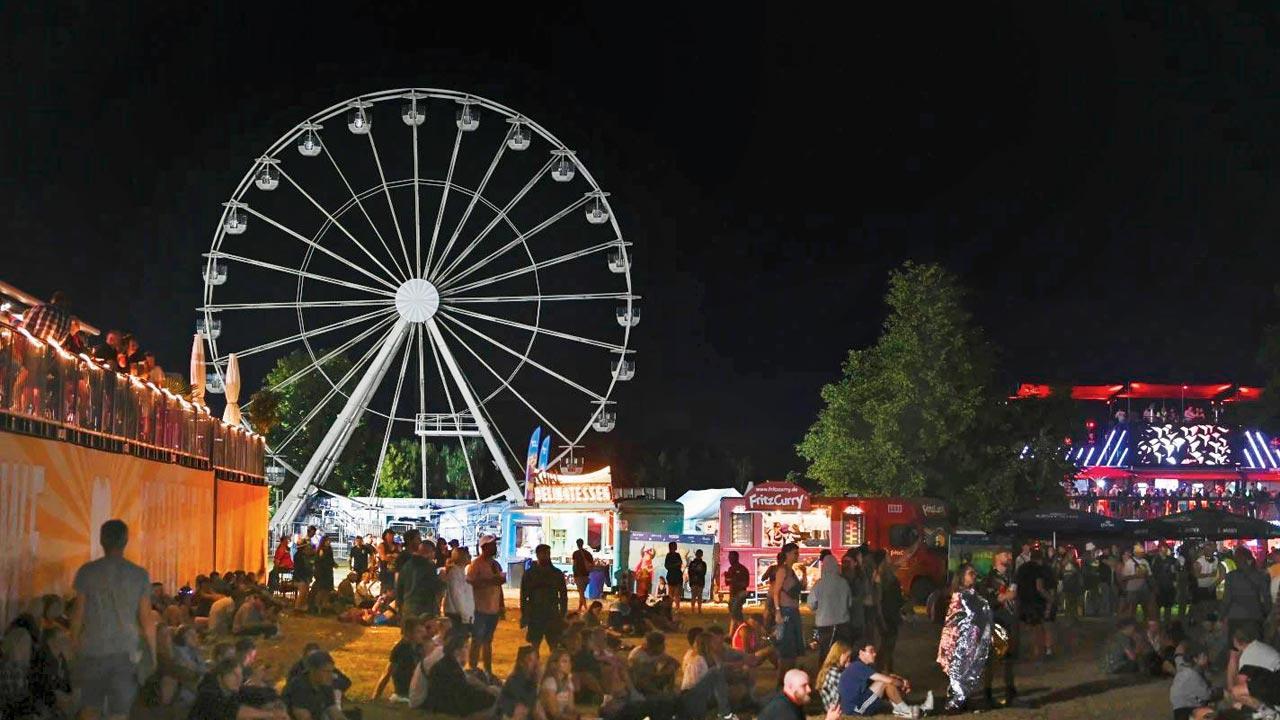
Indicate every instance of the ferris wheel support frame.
{"type": "Point", "coordinates": [320, 465]}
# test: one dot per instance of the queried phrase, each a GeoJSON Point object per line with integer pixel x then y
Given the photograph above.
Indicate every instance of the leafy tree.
{"type": "Point", "coordinates": [897, 420]}
{"type": "Point", "coordinates": [353, 473]}
{"type": "Point", "coordinates": [920, 413]}
{"type": "Point", "coordinates": [263, 411]}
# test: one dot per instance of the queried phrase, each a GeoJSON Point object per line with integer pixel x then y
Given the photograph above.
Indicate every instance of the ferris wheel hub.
{"type": "Point", "coordinates": [417, 300]}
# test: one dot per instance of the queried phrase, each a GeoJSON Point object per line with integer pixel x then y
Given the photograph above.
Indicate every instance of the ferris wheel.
{"type": "Point", "coordinates": [446, 265]}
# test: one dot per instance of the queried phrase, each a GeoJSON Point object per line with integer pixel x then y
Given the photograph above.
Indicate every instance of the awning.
{"type": "Point", "coordinates": [705, 504]}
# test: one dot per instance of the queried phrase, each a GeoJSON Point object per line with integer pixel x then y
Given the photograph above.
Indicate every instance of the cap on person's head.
{"type": "Point", "coordinates": [318, 659]}
{"type": "Point", "coordinates": [486, 539]}
{"type": "Point", "coordinates": [113, 535]}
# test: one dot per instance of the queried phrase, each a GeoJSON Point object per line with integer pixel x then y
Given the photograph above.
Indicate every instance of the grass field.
{"type": "Point", "coordinates": [1068, 688]}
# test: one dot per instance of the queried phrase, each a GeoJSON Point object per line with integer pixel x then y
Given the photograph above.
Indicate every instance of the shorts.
{"type": "Point", "coordinates": [791, 641]}
{"type": "Point", "coordinates": [108, 683]}
{"type": "Point", "coordinates": [459, 626]}
{"type": "Point", "coordinates": [1032, 614]}
{"type": "Point", "coordinates": [550, 632]}
{"type": "Point", "coordinates": [483, 627]}
{"type": "Point", "coordinates": [736, 602]}
{"type": "Point", "coordinates": [695, 591]}
{"type": "Point", "coordinates": [871, 704]}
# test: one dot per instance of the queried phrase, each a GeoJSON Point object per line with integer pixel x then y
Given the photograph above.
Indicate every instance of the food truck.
{"type": "Point", "coordinates": [913, 531]}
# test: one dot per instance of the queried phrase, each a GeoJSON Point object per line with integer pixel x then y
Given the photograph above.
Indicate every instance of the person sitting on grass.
{"type": "Point", "coordinates": [518, 699]}
{"type": "Point", "coordinates": [450, 691]}
{"type": "Point", "coordinates": [313, 693]}
{"type": "Point", "coordinates": [556, 693]}
{"type": "Point", "coordinates": [346, 592]}
{"type": "Point", "coordinates": [614, 680]}
{"type": "Point", "coordinates": [703, 678]}
{"type": "Point", "coordinates": [219, 698]}
{"type": "Point", "coordinates": [652, 670]}
{"type": "Point", "coordinates": [1123, 652]}
{"type": "Point", "coordinates": [863, 690]}
{"type": "Point", "coordinates": [251, 618]}
{"type": "Point", "coordinates": [1190, 688]}
{"type": "Point", "coordinates": [591, 616]}
{"type": "Point", "coordinates": [749, 637]}
{"type": "Point", "coordinates": [405, 656]}
{"type": "Point", "coordinates": [1258, 690]}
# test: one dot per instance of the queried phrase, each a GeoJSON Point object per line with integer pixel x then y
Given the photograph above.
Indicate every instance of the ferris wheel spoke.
{"type": "Point", "coordinates": [332, 354]}
{"type": "Point", "coordinates": [524, 358]}
{"type": "Point", "coordinates": [337, 224]}
{"type": "Point", "coordinates": [444, 199]}
{"type": "Point", "coordinates": [519, 239]}
{"type": "Point", "coordinates": [404, 275]}
{"type": "Point", "coordinates": [503, 381]}
{"type": "Point", "coordinates": [532, 268]}
{"type": "Point", "coordinates": [391, 207]}
{"type": "Point", "coordinates": [453, 411]}
{"type": "Point", "coordinates": [417, 204]}
{"type": "Point", "coordinates": [334, 389]}
{"type": "Point", "coordinates": [537, 330]}
{"type": "Point", "coordinates": [475, 197]}
{"type": "Point", "coordinates": [501, 216]}
{"type": "Point", "coordinates": [219, 255]}
{"type": "Point", "coordinates": [422, 408]}
{"type": "Point", "coordinates": [307, 241]}
{"type": "Point", "coordinates": [391, 422]}
{"type": "Point", "coordinates": [475, 299]}
{"type": "Point", "coordinates": [300, 305]}
{"type": "Point", "coordinates": [489, 417]}
{"type": "Point", "coordinates": [310, 333]}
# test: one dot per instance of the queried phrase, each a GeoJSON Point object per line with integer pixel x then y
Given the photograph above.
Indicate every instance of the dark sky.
{"type": "Point", "coordinates": [1099, 174]}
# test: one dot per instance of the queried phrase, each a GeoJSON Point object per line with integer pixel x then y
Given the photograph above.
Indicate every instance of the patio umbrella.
{"type": "Point", "coordinates": [1206, 524]}
{"type": "Point", "coordinates": [197, 369]}
{"type": "Point", "coordinates": [231, 415]}
{"type": "Point", "coordinates": [1055, 522]}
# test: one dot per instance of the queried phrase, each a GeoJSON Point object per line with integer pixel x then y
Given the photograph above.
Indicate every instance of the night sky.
{"type": "Point", "coordinates": [1099, 174]}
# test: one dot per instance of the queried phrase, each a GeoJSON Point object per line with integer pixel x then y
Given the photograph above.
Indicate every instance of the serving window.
{"type": "Point", "coordinates": [741, 529]}
{"type": "Point", "coordinates": [853, 527]}
{"type": "Point", "coordinates": [807, 529]}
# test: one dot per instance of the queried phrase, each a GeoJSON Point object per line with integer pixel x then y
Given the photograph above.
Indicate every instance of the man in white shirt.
{"type": "Point", "coordinates": [1205, 593]}
{"type": "Point", "coordinates": [1248, 654]}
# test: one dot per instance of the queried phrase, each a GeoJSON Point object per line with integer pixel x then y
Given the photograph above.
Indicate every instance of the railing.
{"type": "Point", "coordinates": [1127, 506]}
{"type": "Point", "coordinates": [49, 392]}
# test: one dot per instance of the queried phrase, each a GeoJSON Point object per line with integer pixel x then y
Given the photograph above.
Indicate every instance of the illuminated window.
{"type": "Point", "coordinates": [852, 529]}
{"type": "Point", "coordinates": [740, 529]}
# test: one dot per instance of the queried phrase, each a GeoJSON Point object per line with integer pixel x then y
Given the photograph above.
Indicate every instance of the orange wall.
{"type": "Point", "coordinates": [55, 495]}
{"type": "Point", "coordinates": [241, 527]}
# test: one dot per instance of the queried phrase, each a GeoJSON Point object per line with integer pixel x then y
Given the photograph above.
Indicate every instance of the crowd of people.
{"type": "Point", "coordinates": [1123, 500]}
{"type": "Point", "coordinates": [1202, 618]}
{"type": "Point", "coordinates": [119, 351]}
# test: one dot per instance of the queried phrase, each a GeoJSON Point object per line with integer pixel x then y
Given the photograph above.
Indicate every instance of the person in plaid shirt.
{"type": "Point", "coordinates": [51, 320]}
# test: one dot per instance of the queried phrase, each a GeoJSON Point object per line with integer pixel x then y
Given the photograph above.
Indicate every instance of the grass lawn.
{"type": "Point", "coordinates": [1066, 688]}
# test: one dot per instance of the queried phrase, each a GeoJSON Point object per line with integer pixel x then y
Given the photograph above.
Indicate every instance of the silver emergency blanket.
{"type": "Point", "coordinates": [965, 645]}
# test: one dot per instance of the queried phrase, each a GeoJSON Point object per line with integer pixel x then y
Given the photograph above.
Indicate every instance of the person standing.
{"type": "Point", "coordinates": [785, 592]}
{"type": "Point", "coordinates": [387, 551]}
{"type": "Point", "coordinates": [674, 565]}
{"type": "Point", "coordinates": [736, 578]}
{"type": "Point", "coordinates": [418, 585]}
{"type": "Point", "coordinates": [486, 579]}
{"type": "Point", "coordinates": [303, 572]}
{"type": "Point", "coordinates": [1164, 576]}
{"type": "Point", "coordinates": [110, 622]}
{"type": "Point", "coordinates": [1035, 601]}
{"type": "Point", "coordinates": [829, 600]}
{"type": "Point", "coordinates": [891, 602]}
{"type": "Point", "coordinates": [544, 600]}
{"type": "Point", "coordinates": [459, 600]}
{"type": "Point", "coordinates": [1205, 593]}
{"type": "Point", "coordinates": [582, 564]}
{"type": "Point", "coordinates": [360, 556]}
{"type": "Point", "coordinates": [852, 573]}
{"type": "Point", "coordinates": [324, 567]}
{"type": "Point", "coordinates": [966, 637]}
{"type": "Point", "coordinates": [1246, 597]}
{"type": "Point", "coordinates": [697, 580]}
{"type": "Point", "coordinates": [1002, 594]}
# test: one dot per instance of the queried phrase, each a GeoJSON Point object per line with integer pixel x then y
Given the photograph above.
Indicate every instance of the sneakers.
{"type": "Point", "coordinates": [398, 699]}
{"type": "Point", "coordinates": [927, 705]}
{"type": "Point", "coordinates": [730, 716]}
{"type": "Point", "coordinates": [904, 710]}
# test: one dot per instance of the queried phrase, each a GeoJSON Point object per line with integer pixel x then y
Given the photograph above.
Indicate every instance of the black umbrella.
{"type": "Point", "coordinates": [1206, 524]}
{"type": "Point", "coordinates": [1060, 522]}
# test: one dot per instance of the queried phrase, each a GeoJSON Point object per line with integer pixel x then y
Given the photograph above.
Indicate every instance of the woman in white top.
{"type": "Point", "coordinates": [697, 662]}
{"type": "Point", "coordinates": [459, 602]}
{"type": "Point", "coordinates": [556, 689]}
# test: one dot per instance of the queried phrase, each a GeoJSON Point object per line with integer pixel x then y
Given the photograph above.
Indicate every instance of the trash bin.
{"type": "Point", "coordinates": [595, 583]}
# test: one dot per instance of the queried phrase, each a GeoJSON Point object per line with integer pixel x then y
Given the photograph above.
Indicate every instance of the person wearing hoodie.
{"type": "Point", "coordinates": [1190, 688]}
{"type": "Point", "coordinates": [829, 599]}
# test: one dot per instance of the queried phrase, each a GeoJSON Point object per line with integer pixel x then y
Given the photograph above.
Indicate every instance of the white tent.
{"type": "Point", "coordinates": [702, 508]}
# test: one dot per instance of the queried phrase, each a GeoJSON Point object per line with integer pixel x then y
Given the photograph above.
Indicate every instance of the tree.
{"type": "Point", "coordinates": [920, 413]}
{"type": "Point", "coordinates": [353, 473]}
{"type": "Point", "coordinates": [896, 422]}
{"type": "Point", "coordinates": [263, 411]}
